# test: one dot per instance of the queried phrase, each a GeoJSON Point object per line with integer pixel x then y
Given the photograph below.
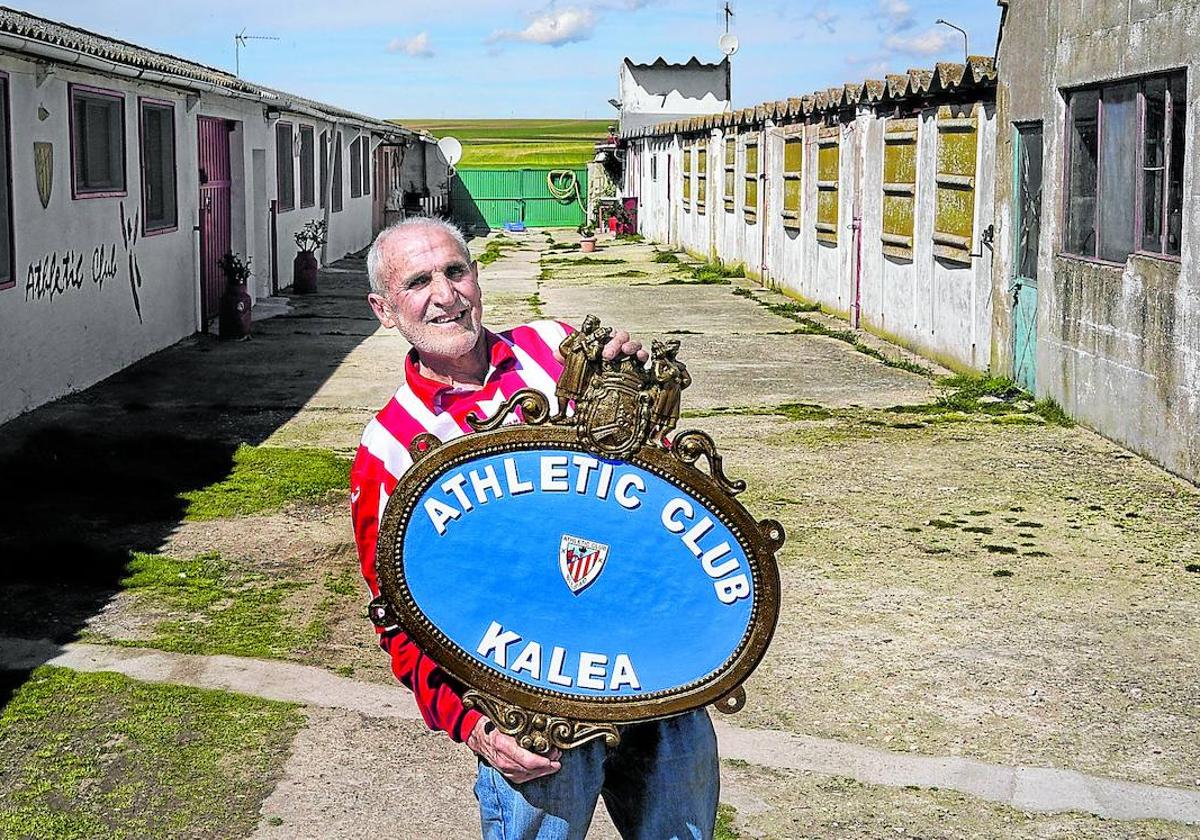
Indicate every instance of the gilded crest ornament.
{"type": "Point", "coordinates": [43, 168]}
{"type": "Point", "coordinates": [689, 595]}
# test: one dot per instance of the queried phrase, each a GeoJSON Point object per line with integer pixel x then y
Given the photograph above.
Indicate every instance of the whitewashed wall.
{"type": "Point", "coordinates": [74, 316]}
{"type": "Point", "coordinates": [935, 307]}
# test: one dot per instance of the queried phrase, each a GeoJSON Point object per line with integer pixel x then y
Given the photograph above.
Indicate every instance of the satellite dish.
{"type": "Point", "coordinates": [451, 150]}
{"type": "Point", "coordinates": [728, 43]}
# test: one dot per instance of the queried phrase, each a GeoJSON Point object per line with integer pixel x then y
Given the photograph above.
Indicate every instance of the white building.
{"type": "Point", "coordinates": [874, 200]}
{"type": "Point", "coordinates": [128, 173]}
{"type": "Point", "coordinates": [652, 93]}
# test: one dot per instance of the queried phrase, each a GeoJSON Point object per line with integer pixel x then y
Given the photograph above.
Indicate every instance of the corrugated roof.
{"type": "Point", "coordinates": [979, 73]}
{"type": "Point", "coordinates": [56, 34]}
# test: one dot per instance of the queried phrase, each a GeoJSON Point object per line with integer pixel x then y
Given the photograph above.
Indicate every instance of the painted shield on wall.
{"type": "Point", "coordinates": [671, 588]}
{"type": "Point", "coordinates": [43, 168]}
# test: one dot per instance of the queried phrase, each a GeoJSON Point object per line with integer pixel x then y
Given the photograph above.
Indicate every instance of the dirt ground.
{"type": "Point", "coordinates": [992, 587]}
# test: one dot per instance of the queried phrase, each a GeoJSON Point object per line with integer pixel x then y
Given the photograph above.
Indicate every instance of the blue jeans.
{"type": "Point", "coordinates": [660, 783]}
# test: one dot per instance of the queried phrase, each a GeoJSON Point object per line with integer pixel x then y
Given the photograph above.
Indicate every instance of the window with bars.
{"type": "Point", "coordinates": [356, 167]}
{"type": "Point", "coordinates": [954, 204]}
{"type": "Point", "coordinates": [730, 183]}
{"type": "Point", "coordinates": [750, 200]}
{"type": "Point", "coordinates": [687, 178]}
{"type": "Point", "coordinates": [285, 173]}
{"type": "Point", "coordinates": [323, 168]}
{"type": "Point", "coordinates": [701, 175]}
{"type": "Point", "coordinates": [97, 142]}
{"type": "Point", "coordinates": [159, 205]}
{"type": "Point", "coordinates": [335, 199]}
{"type": "Point", "coordinates": [793, 180]}
{"type": "Point", "coordinates": [828, 168]}
{"type": "Point", "coordinates": [365, 167]}
{"type": "Point", "coordinates": [1125, 153]}
{"type": "Point", "coordinates": [899, 187]}
{"type": "Point", "coordinates": [307, 185]}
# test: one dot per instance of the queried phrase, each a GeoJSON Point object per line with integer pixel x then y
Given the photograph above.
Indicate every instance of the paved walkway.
{"type": "Point", "coordinates": [1027, 788]}
{"type": "Point", "coordinates": [314, 375]}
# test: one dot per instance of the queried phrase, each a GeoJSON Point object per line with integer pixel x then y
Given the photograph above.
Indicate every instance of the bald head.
{"type": "Point", "coordinates": [377, 262]}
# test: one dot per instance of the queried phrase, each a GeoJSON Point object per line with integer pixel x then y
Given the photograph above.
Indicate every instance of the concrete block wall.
{"type": "Point", "coordinates": [1118, 345]}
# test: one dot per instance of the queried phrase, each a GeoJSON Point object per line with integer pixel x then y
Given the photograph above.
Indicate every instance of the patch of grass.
{"type": "Point", "coordinates": [725, 817]}
{"type": "Point", "coordinates": [583, 261]}
{"type": "Point", "coordinates": [100, 755]}
{"type": "Point", "coordinates": [997, 396]}
{"type": "Point", "coordinates": [792, 411]}
{"type": "Point", "coordinates": [808, 326]}
{"type": "Point", "coordinates": [630, 237]}
{"type": "Point", "coordinates": [535, 304]}
{"type": "Point", "coordinates": [266, 478]}
{"type": "Point", "coordinates": [742, 292]}
{"type": "Point", "coordinates": [207, 609]}
{"type": "Point", "coordinates": [665, 257]}
{"type": "Point", "coordinates": [1052, 413]}
{"type": "Point", "coordinates": [1001, 549]}
{"type": "Point", "coordinates": [630, 272]}
{"type": "Point", "coordinates": [495, 249]}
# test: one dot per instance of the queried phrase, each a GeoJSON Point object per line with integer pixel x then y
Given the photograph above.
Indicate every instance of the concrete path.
{"type": "Point", "coordinates": [1041, 789]}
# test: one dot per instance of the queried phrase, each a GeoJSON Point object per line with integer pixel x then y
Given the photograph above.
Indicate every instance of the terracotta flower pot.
{"type": "Point", "coordinates": [587, 245]}
{"type": "Point", "coordinates": [304, 273]}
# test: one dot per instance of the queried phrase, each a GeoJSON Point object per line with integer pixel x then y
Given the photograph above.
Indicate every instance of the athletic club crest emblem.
{"type": "Point", "coordinates": [580, 561]}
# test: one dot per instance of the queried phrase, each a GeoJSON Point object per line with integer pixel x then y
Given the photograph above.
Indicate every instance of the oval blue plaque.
{"type": "Point", "coordinates": [577, 575]}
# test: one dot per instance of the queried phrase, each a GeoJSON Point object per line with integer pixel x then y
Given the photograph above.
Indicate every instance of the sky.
{"type": "Point", "coordinates": [475, 59]}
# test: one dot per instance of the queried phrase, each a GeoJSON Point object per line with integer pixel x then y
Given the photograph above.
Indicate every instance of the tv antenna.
{"type": "Point", "coordinates": [728, 42]}
{"type": "Point", "coordinates": [239, 41]}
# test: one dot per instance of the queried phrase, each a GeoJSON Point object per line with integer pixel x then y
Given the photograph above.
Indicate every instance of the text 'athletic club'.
{"type": "Point", "coordinates": [580, 561]}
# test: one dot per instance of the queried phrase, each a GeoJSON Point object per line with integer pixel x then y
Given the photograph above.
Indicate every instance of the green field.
{"type": "Point", "coordinates": [501, 144]}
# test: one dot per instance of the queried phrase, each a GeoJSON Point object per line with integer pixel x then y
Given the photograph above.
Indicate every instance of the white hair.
{"type": "Point", "coordinates": [375, 255]}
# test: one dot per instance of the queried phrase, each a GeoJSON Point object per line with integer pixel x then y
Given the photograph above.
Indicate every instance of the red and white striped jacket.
{"type": "Point", "coordinates": [523, 357]}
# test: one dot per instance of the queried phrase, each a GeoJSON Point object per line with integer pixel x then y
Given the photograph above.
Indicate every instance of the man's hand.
{"type": "Point", "coordinates": [513, 761]}
{"type": "Point", "coordinates": [621, 343]}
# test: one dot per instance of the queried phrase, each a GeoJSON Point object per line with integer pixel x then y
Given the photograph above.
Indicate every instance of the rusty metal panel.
{"type": "Point", "coordinates": [828, 173]}
{"type": "Point", "coordinates": [957, 158]}
{"type": "Point", "coordinates": [793, 180]}
{"type": "Point", "coordinates": [899, 187]}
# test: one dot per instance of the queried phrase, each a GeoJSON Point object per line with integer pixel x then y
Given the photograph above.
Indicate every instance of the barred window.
{"type": "Point", "coordinates": [750, 202]}
{"type": "Point", "coordinates": [899, 187]}
{"type": "Point", "coordinates": [828, 167]}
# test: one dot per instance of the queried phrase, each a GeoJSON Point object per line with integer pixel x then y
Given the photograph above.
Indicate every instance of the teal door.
{"type": "Point", "coordinates": [1027, 225]}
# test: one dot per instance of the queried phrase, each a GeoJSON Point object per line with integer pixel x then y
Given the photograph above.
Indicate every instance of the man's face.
{"type": "Point", "coordinates": [432, 293]}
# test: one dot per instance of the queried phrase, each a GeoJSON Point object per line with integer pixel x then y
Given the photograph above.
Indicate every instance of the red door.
{"type": "Point", "coordinates": [214, 211]}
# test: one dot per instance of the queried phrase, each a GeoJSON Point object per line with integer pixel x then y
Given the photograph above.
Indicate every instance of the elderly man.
{"type": "Point", "coordinates": [662, 780]}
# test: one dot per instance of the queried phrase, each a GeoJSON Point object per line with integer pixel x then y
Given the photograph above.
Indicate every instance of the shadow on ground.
{"type": "Point", "coordinates": [88, 479]}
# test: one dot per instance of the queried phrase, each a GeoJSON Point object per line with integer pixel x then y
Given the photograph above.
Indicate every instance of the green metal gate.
{"type": "Point", "coordinates": [491, 197]}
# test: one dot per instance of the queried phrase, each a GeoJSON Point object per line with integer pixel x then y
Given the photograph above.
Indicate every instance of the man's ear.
{"type": "Point", "coordinates": [382, 310]}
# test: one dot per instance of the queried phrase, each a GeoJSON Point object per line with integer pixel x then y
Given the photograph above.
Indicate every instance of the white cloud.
{"type": "Point", "coordinates": [554, 28]}
{"type": "Point", "coordinates": [927, 43]}
{"type": "Point", "coordinates": [897, 15]}
{"type": "Point", "coordinates": [416, 46]}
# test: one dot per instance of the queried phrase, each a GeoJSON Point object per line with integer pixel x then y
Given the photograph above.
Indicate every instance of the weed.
{"type": "Point", "coordinates": [665, 257]}
{"type": "Point", "coordinates": [792, 411]}
{"type": "Point", "coordinates": [630, 237]}
{"type": "Point", "coordinates": [1002, 573]}
{"type": "Point", "coordinates": [535, 303]}
{"type": "Point", "coordinates": [742, 292]}
{"type": "Point", "coordinates": [1052, 413]}
{"type": "Point", "coordinates": [629, 272]}
{"type": "Point", "coordinates": [101, 755]}
{"type": "Point", "coordinates": [1001, 549]}
{"type": "Point", "coordinates": [266, 478]}
{"type": "Point", "coordinates": [725, 817]}
{"type": "Point", "coordinates": [583, 261]}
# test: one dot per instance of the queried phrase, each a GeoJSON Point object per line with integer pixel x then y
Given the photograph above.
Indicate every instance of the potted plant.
{"type": "Point", "coordinates": [234, 311]}
{"type": "Point", "coordinates": [304, 268]}
{"type": "Point", "coordinates": [587, 241]}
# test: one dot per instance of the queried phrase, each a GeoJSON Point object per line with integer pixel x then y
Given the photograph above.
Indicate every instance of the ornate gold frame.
{"type": "Point", "coordinates": [620, 411]}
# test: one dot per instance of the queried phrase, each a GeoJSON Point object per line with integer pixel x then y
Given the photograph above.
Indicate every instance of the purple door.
{"type": "Point", "coordinates": [214, 211]}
